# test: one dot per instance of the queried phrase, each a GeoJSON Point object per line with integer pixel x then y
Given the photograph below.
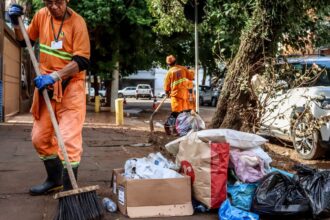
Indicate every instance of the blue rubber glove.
{"type": "Point", "coordinates": [15, 10]}
{"type": "Point", "coordinates": [43, 81]}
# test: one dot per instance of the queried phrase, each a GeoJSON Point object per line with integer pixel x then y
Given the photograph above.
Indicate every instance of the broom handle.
{"type": "Point", "coordinates": [49, 106]}
{"type": "Point", "coordinates": [151, 121]}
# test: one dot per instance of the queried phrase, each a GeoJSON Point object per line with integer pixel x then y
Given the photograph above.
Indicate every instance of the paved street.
{"type": "Point", "coordinates": [106, 146]}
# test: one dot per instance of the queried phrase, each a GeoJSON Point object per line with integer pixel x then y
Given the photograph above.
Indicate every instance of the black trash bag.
{"type": "Point", "coordinates": [169, 125]}
{"type": "Point", "coordinates": [278, 194]}
{"type": "Point", "coordinates": [316, 184]}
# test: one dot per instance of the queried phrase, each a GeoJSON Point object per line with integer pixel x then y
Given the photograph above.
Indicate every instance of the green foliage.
{"type": "Point", "coordinates": [169, 16]}
{"type": "Point", "coordinates": [226, 22]}
{"type": "Point", "coordinates": [140, 33]}
{"type": "Point", "coordinates": [176, 35]}
{"type": "Point", "coordinates": [120, 30]}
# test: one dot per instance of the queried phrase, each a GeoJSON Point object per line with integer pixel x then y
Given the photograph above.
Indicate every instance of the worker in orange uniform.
{"type": "Point", "coordinates": [191, 95]}
{"type": "Point", "coordinates": [64, 55]}
{"type": "Point", "coordinates": [176, 86]}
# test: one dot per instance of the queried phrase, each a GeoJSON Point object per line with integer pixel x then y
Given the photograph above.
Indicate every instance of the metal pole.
{"type": "Point", "coordinates": [196, 56]}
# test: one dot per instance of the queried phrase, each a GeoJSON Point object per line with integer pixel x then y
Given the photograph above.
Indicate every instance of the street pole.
{"type": "Point", "coordinates": [196, 56]}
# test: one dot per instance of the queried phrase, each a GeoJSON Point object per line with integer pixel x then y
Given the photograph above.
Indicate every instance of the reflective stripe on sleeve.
{"type": "Point", "coordinates": [178, 82]}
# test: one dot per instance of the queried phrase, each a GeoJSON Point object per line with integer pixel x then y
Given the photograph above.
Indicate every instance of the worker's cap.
{"type": "Point", "coordinates": [170, 59]}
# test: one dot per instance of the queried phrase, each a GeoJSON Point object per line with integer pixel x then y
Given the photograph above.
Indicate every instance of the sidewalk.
{"type": "Point", "coordinates": [106, 146]}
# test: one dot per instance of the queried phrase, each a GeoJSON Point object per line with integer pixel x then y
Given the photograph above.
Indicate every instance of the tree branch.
{"type": "Point", "coordinates": [181, 3]}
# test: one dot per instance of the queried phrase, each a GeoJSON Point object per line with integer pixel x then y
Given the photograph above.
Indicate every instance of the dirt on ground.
{"type": "Point", "coordinates": [106, 146]}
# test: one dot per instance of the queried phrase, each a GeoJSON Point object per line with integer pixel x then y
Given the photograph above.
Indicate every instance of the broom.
{"type": "Point", "coordinates": [78, 203]}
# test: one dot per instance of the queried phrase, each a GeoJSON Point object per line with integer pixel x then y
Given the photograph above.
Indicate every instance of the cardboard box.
{"type": "Point", "coordinates": [152, 197]}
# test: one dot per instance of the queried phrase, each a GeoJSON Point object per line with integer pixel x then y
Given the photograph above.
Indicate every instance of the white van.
{"type": "Point", "coordinates": [143, 91]}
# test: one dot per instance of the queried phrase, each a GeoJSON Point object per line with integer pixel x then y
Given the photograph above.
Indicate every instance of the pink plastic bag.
{"type": "Point", "coordinates": [249, 168]}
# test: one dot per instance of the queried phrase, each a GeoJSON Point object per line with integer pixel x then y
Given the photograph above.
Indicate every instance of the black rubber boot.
{"type": "Point", "coordinates": [66, 179]}
{"type": "Point", "coordinates": [53, 182]}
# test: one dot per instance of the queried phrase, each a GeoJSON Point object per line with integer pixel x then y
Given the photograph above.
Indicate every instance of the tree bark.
{"type": "Point", "coordinates": [114, 87]}
{"type": "Point", "coordinates": [236, 108]}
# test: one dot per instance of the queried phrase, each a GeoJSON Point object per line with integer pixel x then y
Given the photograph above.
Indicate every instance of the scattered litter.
{"type": "Point", "coordinates": [187, 121]}
{"type": "Point", "coordinates": [273, 169]}
{"type": "Point", "coordinates": [158, 124]}
{"type": "Point", "coordinates": [228, 212]}
{"type": "Point", "coordinates": [199, 207]}
{"type": "Point", "coordinates": [236, 139]}
{"type": "Point", "coordinates": [109, 205]}
{"type": "Point", "coordinates": [155, 166]}
{"type": "Point", "coordinates": [4, 196]}
{"type": "Point", "coordinates": [242, 194]}
{"type": "Point", "coordinates": [316, 184]}
{"type": "Point", "coordinates": [279, 194]}
{"type": "Point", "coordinates": [249, 168]}
{"type": "Point", "coordinates": [207, 165]}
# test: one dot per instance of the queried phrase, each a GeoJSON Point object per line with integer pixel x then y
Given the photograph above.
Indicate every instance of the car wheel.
{"type": "Point", "coordinates": [306, 141]}
{"type": "Point", "coordinates": [201, 101]}
{"type": "Point", "coordinates": [120, 95]}
{"type": "Point", "coordinates": [214, 102]}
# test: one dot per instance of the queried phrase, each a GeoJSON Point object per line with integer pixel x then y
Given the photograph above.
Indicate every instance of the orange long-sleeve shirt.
{"type": "Point", "coordinates": [176, 82]}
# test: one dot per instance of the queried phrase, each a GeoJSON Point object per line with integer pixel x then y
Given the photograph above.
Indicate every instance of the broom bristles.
{"type": "Point", "coordinates": [84, 206]}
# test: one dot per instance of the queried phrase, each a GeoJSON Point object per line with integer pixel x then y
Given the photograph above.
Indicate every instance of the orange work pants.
{"type": "Point", "coordinates": [70, 114]}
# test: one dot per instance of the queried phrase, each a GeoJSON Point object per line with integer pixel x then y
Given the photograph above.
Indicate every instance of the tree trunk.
{"type": "Point", "coordinates": [114, 86]}
{"type": "Point", "coordinates": [107, 84]}
{"type": "Point", "coordinates": [236, 108]}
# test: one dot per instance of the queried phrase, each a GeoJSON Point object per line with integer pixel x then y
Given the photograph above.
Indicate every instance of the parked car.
{"type": "Point", "coordinates": [161, 95]}
{"type": "Point", "coordinates": [205, 95]}
{"type": "Point", "coordinates": [102, 92]}
{"type": "Point", "coordinates": [215, 96]}
{"type": "Point", "coordinates": [127, 92]}
{"type": "Point", "coordinates": [143, 91]}
{"type": "Point", "coordinates": [288, 113]}
{"type": "Point", "coordinates": [91, 92]}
